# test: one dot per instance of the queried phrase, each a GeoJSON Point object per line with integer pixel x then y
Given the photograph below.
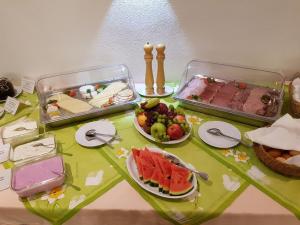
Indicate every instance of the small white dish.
{"type": "Point", "coordinates": [101, 126]}
{"type": "Point", "coordinates": [148, 136]}
{"type": "Point", "coordinates": [133, 172]}
{"type": "Point", "coordinates": [141, 89]}
{"type": "Point", "coordinates": [219, 141]}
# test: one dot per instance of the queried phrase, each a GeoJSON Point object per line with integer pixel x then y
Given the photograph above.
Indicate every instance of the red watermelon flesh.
{"type": "Point", "coordinates": [136, 156]}
{"type": "Point", "coordinates": [156, 178]}
{"type": "Point", "coordinates": [148, 165]}
{"type": "Point", "coordinates": [166, 185]}
{"type": "Point", "coordinates": [165, 165]}
{"type": "Point", "coordinates": [180, 181]}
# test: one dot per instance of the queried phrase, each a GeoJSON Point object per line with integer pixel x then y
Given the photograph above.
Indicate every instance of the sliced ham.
{"type": "Point", "coordinates": [195, 87]}
{"type": "Point", "coordinates": [239, 99]}
{"type": "Point", "coordinates": [225, 94]}
{"type": "Point", "coordinates": [210, 91]}
{"type": "Point", "coordinates": [254, 104]}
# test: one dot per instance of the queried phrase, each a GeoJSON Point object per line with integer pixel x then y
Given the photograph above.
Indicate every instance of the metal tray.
{"type": "Point", "coordinates": [60, 83]}
{"type": "Point", "coordinates": [228, 73]}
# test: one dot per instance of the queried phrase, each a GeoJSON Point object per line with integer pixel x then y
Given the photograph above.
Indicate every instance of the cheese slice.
{"type": "Point", "coordinates": [70, 104]}
{"type": "Point", "coordinates": [107, 93]}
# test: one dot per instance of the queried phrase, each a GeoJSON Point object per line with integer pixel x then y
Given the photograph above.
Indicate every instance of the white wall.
{"type": "Point", "coordinates": [46, 36]}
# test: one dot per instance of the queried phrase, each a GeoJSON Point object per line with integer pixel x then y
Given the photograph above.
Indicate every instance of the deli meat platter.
{"type": "Point", "coordinates": [85, 94]}
{"type": "Point", "coordinates": [244, 94]}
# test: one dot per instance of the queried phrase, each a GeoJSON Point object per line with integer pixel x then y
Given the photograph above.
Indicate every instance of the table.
{"type": "Point", "coordinates": [252, 207]}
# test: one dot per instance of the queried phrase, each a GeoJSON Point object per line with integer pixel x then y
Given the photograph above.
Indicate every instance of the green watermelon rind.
{"type": "Point", "coordinates": [177, 193]}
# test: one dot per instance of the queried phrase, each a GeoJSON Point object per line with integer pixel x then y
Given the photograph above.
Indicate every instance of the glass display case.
{"type": "Point", "coordinates": [85, 94]}
{"type": "Point", "coordinates": [243, 94]}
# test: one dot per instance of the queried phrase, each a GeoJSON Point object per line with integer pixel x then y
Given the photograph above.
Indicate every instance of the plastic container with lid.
{"type": "Point", "coordinates": [247, 95]}
{"type": "Point", "coordinates": [43, 144]}
{"type": "Point", "coordinates": [21, 130]}
{"type": "Point", "coordinates": [74, 99]}
{"type": "Point", "coordinates": [38, 175]}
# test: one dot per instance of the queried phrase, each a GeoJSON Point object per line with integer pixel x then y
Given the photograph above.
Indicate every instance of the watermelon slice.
{"type": "Point", "coordinates": [147, 165]}
{"type": "Point", "coordinates": [165, 185]}
{"type": "Point", "coordinates": [155, 169]}
{"type": "Point", "coordinates": [180, 181]}
{"type": "Point", "coordinates": [156, 178]}
{"type": "Point", "coordinates": [165, 166]}
{"type": "Point", "coordinates": [136, 156]}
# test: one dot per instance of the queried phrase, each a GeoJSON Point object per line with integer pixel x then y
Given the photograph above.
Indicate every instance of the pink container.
{"type": "Point", "coordinates": [38, 175]}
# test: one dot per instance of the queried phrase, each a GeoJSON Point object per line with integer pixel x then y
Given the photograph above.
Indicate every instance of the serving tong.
{"type": "Point", "coordinates": [218, 132]}
{"type": "Point", "coordinates": [176, 161]}
{"type": "Point", "coordinates": [93, 134]}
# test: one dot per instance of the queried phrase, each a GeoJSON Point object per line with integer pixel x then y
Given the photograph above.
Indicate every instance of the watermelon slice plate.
{"type": "Point", "coordinates": [133, 172]}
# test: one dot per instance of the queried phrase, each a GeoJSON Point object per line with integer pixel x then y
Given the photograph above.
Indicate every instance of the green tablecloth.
{"type": "Point", "coordinates": [225, 184]}
{"type": "Point", "coordinates": [86, 169]}
{"type": "Point", "coordinates": [22, 111]}
{"type": "Point", "coordinates": [215, 195]}
{"type": "Point", "coordinates": [244, 162]}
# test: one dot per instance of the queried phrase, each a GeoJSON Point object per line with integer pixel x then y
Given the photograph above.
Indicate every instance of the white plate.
{"type": "Point", "coordinates": [141, 89]}
{"type": "Point", "coordinates": [137, 126]}
{"type": "Point", "coordinates": [101, 126]}
{"type": "Point", "coordinates": [219, 141]}
{"type": "Point", "coordinates": [133, 172]}
{"type": "Point", "coordinates": [18, 91]}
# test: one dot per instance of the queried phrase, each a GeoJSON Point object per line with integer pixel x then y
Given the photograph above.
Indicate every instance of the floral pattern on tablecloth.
{"type": "Point", "coordinates": [54, 195]}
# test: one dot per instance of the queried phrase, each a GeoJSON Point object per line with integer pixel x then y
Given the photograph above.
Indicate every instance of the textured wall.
{"type": "Point", "coordinates": [41, 36]}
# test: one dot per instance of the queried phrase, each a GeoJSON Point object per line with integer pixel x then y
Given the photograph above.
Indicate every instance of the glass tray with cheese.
{"type": "Point", "coordinates": [84, 94]}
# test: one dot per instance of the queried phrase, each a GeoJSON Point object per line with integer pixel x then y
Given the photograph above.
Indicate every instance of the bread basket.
{"type": "Point", "coordinates": [274, 164]}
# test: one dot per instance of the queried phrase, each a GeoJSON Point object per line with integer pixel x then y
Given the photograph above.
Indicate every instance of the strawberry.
{"type": "Point", "coordinates": [72, 93]}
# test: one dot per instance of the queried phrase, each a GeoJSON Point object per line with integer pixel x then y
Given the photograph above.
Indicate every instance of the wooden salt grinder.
{"type": "Point", "coordinates": [149, 73]}
{"type": "Point", "coordinates": [160, 79]}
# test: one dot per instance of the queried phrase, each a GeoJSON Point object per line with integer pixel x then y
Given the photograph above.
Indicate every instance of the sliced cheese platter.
{"type": "Point", "coordinates": [85, 94]}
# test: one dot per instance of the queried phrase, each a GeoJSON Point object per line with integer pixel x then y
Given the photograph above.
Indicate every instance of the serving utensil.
{"type": "Point", "coordinates": [93, 132]}
{"type": "Point", "coordinates": [176, 161]}
{"type": "Point", "coordinates": [22, 128]}
{"type": "Point", "coordinates": [93, 136]}
{"type": "Point", "coordinates": [42, 144]}
{"type": "Point", "coordinates": [218, 132]}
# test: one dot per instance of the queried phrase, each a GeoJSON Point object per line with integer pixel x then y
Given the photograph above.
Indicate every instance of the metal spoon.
{"type": "Point", "coordinates": [90, 137]}
{"type": "Point", "coordinates": [93, 133]}
{"type": "Point", "coordinates": [176, 161]}
{"type": "Point", "coordinates": [22, 128]}
{"type": "Point", "coordinates": [218, 132]}
{"type": "Point", "coordinates": [42, 144]}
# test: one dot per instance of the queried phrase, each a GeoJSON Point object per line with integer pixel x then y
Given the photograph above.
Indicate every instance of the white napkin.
{"type": "Point", "coordinates": [283, 134]}
{"type": "Point", "coordinates": [295, 160]}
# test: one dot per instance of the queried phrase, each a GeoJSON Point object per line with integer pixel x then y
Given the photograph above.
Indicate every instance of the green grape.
{"type": "Point", "coordinates": [171, 107]}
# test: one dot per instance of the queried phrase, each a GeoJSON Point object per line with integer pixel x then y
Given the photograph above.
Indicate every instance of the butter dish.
{"type": "Point", "coordinates": [19, 131]}
{"type": "Point", "coordinates": [43, 144]}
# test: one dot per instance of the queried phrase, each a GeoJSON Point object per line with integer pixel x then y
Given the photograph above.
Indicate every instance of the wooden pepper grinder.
{"type": "Point", "coordinates": [160, 79]}
{"type": "Point", "coordinates": [149, 73]}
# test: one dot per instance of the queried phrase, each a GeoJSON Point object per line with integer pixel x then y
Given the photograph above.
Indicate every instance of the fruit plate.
{"type": "Point", "coordinates": [148, 136]}
{"type": "Point", "coordinates": [133, 172]}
